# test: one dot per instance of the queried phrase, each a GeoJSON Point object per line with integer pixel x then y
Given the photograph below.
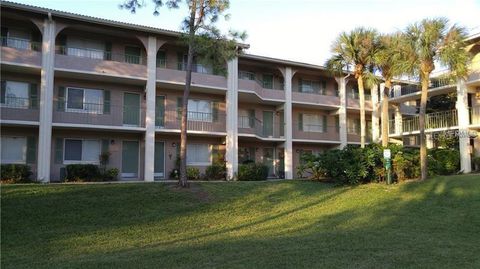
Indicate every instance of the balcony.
{"type": "Point", "coordinates": [100, 61]}
{"type": "Point", "coordinates": [103, 114]}
{"type": "Point", "coordinates": [437, 120]}
{"type": "Point", "coordinates": [251, 126]}
{"type": "Point", "coordinates": [435, 84]}
{"type": "Point", "coordinates": [19, 109]}
{"type": "Point", "coordinates": [318, 97]}
{"type": "Point", "coordinates": [316, 132]}
{"type": "Point", "coordinates": [21, 51]}
{"type": "Point", "coordinates": [353, 100]}
{"type": "Point", "coordinates": [196, 121]}
{"type": "Point", "coordinates": [202, 76]}
{"type": "Point", "coordinates": [263, 90]}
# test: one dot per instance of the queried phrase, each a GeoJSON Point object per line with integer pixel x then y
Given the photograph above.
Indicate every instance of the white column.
{"type": "Point", "coordinates": [375, 114]}
{"type": "Point", "coordinates": [231, 153]}
{"type": "Point", "coordinates": [398, 121]}
{"type": "Point", "coordinates": [46, 102]}
{"type": "Point", "coordinates": [463, 122]}
{"type": "Point", "coordinates": [342, 111]}
{"type": "Point", "coordinates": [150, 110]}
{"type": "Point", "coordinates": [288, 148]}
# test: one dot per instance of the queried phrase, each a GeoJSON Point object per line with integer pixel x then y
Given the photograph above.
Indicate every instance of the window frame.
{"type": "Point", "coordinates": [209, 114]}
{"type": "Point", "coordinates": [24, 150]}
{"type": "Point", "coordinates": [66, 162]}
{"type": "Point", "coordinates": [196, 163]}
{"type": "Point", "coordinates": [25, 105]}
{"type": "Point", "coordinates": [98, 111]}
{"type": "Point", "coordinates": [305, 124]}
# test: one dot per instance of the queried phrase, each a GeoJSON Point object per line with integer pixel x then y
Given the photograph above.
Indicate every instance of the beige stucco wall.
{"type": "Point", "coordinates": [115, 148]}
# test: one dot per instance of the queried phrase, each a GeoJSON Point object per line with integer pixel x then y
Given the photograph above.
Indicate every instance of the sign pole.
{"type": "Point", "coordinates": [387, 155]}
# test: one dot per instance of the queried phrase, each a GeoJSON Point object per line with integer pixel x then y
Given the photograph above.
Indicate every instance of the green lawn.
{"type": "Point", "coordinates": [434, 224]}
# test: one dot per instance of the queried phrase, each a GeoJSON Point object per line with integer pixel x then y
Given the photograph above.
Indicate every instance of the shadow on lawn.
{"type": "Point", "coordinates": [432, 224]}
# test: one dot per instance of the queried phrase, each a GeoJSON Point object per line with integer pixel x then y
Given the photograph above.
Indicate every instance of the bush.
{"type": "Point", "coordinates": [82, 172]}
{"type": "Point", "coordinates": [175, 174]}
{"type": "Point", "coordinates": [110, 174]}
{"type": "Point", "coordinates": [445, 161]}
{"type": "Point", "coordinates": [216, 172]}
{"type": "Point", "coordinates": [476, 161]}
{"type": "Point", "coordinates": [193, 173]}
{"type": "Point", "coordinates": [252, 172]}
{"type": "Point", "coordinates": [406, 164]}
{"type": "Point", "coordinates": [15, 173]}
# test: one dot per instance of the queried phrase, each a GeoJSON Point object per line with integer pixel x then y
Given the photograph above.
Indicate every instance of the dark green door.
{"type": "Point", "coordinates": [268, 123]}
{"type": "Point", "coordinates": [130, 159]}
{"type": "Point", "coordinates": [131, 109]}
{"type": "Point", "coordinates": [268, 159]}
{"type": "Point", "coordinates": [159, 167]}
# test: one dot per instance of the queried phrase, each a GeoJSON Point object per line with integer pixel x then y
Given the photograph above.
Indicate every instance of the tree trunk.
{"type": "Point", "coordinates": [361, 93]}
{"type": "Point", "coordinates": [421, 125]}
{"type": "Point", "coordinates": [188, 80]}
{"type": "Point", "coordinates": [385, 119]}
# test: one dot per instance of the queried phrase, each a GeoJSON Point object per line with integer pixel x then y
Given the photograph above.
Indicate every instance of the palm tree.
{"type": "Point", "coordinates": [430, 41]}
{"type": "Point", "coordinates": [390, 61]}
{"type": "Point", "coordinates": [355, 49]}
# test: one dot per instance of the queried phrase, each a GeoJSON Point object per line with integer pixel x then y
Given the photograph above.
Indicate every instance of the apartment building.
{"type": "Point", "coordinates": [75, 87]}
{"type": "Point", "coordinates": [462, 121]}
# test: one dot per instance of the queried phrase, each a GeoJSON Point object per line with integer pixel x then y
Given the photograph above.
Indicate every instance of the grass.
{"type": "Point", "coordinates": [432, 224]}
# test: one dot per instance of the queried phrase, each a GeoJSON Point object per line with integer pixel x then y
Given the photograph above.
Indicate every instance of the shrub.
{"type": "Point", "coordinates": [15, 173]}
{"type": "Point", "coordinates": [175, 174]}
{"type": "Point", "coordinates": [216, 172]}
{"type": "Point", "coordinates": [476, 161]}
{"type": "Point", "coordinates": [193, 173]}
{"type": "Point", "coordinates": [82, 172]}
{"type": "Point", "coordinates": [252, 172]}
{"type": "Point", "coordinates": [445, 161]}
{"type": "Point", "coordinates": [110, 174]}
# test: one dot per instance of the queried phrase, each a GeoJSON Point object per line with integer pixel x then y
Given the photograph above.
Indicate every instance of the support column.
{"type": "Point", "coordinates": [375, 114]}
{"type": "Point", "coordinates": [398, 121]}
{"type": "Point", "coordinates": [231, 152]}
{"type": "Point", "coordinates": [463, 122]}
{"type": "Point", "coordinates": [342, 111]}
{"type": "Point", "coordinates": [46, 102]}
{"type": "Point", "coordinates": [150, 109]}
{"type": "Point", "coordinates": [288, 148]}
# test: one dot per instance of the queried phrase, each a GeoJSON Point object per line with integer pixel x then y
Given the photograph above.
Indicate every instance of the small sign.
{"type": "Point", "coordinates": [387, 153]}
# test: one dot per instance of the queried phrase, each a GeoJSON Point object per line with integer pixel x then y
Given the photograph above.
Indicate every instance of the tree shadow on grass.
{"type": "Point", "coordinates": [432, 224]}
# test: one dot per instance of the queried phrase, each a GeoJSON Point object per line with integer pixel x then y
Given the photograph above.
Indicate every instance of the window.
{"type": "Point", "coordinates": [303, 154]}
{"type": "Point", "coordinates": [84, 100]}
{"type": "Point", "coordinates": [267, 81]}
{"type": "Point", "coordinates": [246, 75]}
{"type": "Point", "coordinates": [312, 86]}
{"type": "Point", "coordinates": [199, 110]}
{"type": "Point", "coordinates": [93, 49]}
{"type": "Point", "coordinates": [199, 154]}
{"type": "Point", "coordinates": [14, 149]}
{"type": "Point", "coordinates": [161, 59]}
{"type": "Point", "coordinates": [83, 151]}
{"type": "Point", "coordinates": [15, 94]}
{"type": "Point", "coordinates": [196, 67]}
{"type": "Point", "coordinates": [313, 123]}
{"type": "Point", "coordinates": [246, 155]}
{"type": "Point", "coordinates": [132, 54]}
{"type": "Point", "coordinates": [16, 38]}
{"type": "Point", "coordinates": [353, 126]}
{"type": "Point", "coordinates": [246, 118]}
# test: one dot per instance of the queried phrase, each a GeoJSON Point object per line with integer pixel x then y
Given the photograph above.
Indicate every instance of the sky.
{"type": "Point", "coordinates": [298, 30]}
